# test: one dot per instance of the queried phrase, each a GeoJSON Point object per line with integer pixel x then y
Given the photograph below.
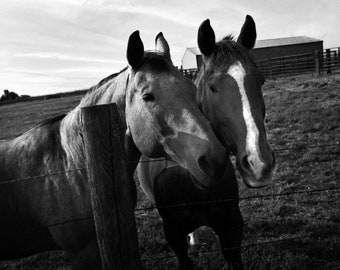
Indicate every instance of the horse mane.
{"type": "Point", "coordinates": [229, 37]}
{"type": "Point", "coordinates": [108, 78]}
{"type": "Point", "coordinates": [47, 121]}
{"type": "Point", "coordinates": [50, 120]}
{"type": "Point", "coordinates": [71, 127]}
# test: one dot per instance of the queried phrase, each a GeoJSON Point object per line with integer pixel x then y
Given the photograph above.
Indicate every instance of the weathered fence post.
{"type": "Point", "coordinates": [317, 62]}
{"type": "Point", "coordinates": [110, 188]}
{"type": "Point", "coordinates": [328, 61]}
{"type": "Point", "coordinates": [271, 68]}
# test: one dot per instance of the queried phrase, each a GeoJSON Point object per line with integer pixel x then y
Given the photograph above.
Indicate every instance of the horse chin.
{"type": "Point", "coordinates": [207, 182]}
{"type": "Point", "coordinates": [253, 182]}
{"type": "Point", "coordinates": [198, 184]}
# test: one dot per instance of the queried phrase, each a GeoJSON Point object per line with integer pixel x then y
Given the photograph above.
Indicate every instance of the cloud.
{"type": "Point", "coordinates": [57, 56]}
{"type": "Point", "coordinates": [70, 42]}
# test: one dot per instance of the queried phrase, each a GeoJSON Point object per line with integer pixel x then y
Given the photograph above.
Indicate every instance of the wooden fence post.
{"type": "Point", "coordinates": [271, 68]}
{"type": "Point", "coordinates": [317, 62]}
{"type": "Point", "coordinates": [110, 189]}
{"type": "Point", "coordinates": [328, 61]}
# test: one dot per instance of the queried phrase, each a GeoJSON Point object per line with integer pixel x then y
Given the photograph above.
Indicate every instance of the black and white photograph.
{"type": "Point", "coordinates": [169, 135]}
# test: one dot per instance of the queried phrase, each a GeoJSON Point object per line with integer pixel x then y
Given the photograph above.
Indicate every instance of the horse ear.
{"type": "Point", "coordinates": [206, 38]}
{"type": "Point", "coordinates": [162, 45]}
{"type": "Point", "coordinates": [135, 49]}
{"type": "Point", "coordinates": [247, 36]}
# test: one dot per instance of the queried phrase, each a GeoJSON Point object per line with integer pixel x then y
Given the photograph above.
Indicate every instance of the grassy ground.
{"type": "Point", "coordinates": [16, 118]}
{"type": "Point", "coordinates": [303, 122]}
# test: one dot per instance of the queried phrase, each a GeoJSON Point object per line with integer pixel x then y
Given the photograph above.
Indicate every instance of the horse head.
{"type": "Point", "coordinates": [229, 93]}
{"type": "Point", "coordinates": [163, 118]}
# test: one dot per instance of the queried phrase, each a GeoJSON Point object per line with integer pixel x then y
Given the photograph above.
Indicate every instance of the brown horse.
{"type": "Point", "coordinates": [161, 119]}
{"type": "Point", "coordinates": [229, 94]}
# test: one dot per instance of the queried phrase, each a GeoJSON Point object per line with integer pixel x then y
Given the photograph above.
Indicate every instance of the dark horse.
{"type": "Point", "coordinates": [161, 119]}
{"type": "Point", "coordinates": [229, 94]}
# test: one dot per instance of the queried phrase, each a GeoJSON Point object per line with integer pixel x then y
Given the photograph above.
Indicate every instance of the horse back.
{"type": "Point", "coordinates": [31, 153]}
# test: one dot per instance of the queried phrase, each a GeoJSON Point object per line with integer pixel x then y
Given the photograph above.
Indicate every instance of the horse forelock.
{"type": "Point", "coordinates": [228, 48]}
{"type": "Point", "coordinates": [156, 60]}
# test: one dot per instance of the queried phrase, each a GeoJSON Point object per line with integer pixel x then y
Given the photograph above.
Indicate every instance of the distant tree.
{"type": "Point", "coordinates": [9, 95]}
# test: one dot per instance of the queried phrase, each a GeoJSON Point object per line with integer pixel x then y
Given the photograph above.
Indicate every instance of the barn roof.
{"type": "Point", "coordinates": [275, 42]}
{"type": "Point", "coordinates": [194, 50]}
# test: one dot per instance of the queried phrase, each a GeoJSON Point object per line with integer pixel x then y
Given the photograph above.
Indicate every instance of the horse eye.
{"type": "Point", "coordinates": [148, 97]}
{"type": "Point", "coordinates": [213, 88]}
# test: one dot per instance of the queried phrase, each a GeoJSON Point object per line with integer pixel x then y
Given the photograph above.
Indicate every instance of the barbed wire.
{"type": "Point", "coordinates": [233, 248]}
{"type": "Point", "coordinates": [305, 146]}
{"type": "Point", "coordinates": [164, 159]}
{"type": "Point", "coordinates": [43, 227]}
{"type": "Point", "coordinates": [60, 223]}
{"type": "Point", "coordinates": [274, 148]}
{"type": "Point", "coordinates": [39, 176]}
{"type": "Point", "coordinates": [28, 178]}
{"type": "Point", "coordinates": [240, 199]}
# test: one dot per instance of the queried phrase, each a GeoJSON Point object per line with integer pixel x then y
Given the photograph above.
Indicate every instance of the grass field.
{"type": "Point", "coordinates": [303, 122]}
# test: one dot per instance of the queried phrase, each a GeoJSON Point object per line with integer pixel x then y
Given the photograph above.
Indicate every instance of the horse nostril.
{"type": "Point", "coordinates": [245, 163]}
{"type": "Point", "coordinates": [205, 166]}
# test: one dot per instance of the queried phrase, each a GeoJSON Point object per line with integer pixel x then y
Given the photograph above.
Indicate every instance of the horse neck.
{"type": "Point", "coordinates": [106, 92]}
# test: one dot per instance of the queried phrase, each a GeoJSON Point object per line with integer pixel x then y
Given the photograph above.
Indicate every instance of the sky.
{"type": "Point", "coordinates": [64, 45]}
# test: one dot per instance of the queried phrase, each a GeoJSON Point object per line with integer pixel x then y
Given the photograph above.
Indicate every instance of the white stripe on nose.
{"type": "Point", "coordinates": [237, 71]}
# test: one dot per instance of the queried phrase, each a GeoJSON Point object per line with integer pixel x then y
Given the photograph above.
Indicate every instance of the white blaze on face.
{"type": "Point", "coordinates": [237, 71]}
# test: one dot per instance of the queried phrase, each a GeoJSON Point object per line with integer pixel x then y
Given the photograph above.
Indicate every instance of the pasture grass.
{"type": "Point", "coordinates": [303, 123]}
{"type": "Point", "coordinates": [16, 118]}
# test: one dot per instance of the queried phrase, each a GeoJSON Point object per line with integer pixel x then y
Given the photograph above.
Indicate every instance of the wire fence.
{"type": "Point", "coordinates": [151, 208]}
{"type": "Point", "coordinates": [212, 202]}
{"type": "Point", "coordinates": [246, 246]}
{"type": "Point", "coordinates": [35, 177]}
{"type": "Point", "coordinates": [329, 190]}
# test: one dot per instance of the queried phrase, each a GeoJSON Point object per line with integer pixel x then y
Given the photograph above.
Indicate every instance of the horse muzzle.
{"type": "Point", "coordinates": [255, 172]}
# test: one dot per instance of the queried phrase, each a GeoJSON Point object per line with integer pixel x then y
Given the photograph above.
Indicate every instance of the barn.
{"type": "Point", "coordinates": [282, 47]}
{"type": "Point", "coordinates": [264, 49]}
{"type": "Point", "coordinates": [192, 58]}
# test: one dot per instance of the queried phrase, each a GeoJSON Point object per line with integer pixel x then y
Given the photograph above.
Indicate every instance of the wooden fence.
{"type": "Point", "coordinates": [325, 62]}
